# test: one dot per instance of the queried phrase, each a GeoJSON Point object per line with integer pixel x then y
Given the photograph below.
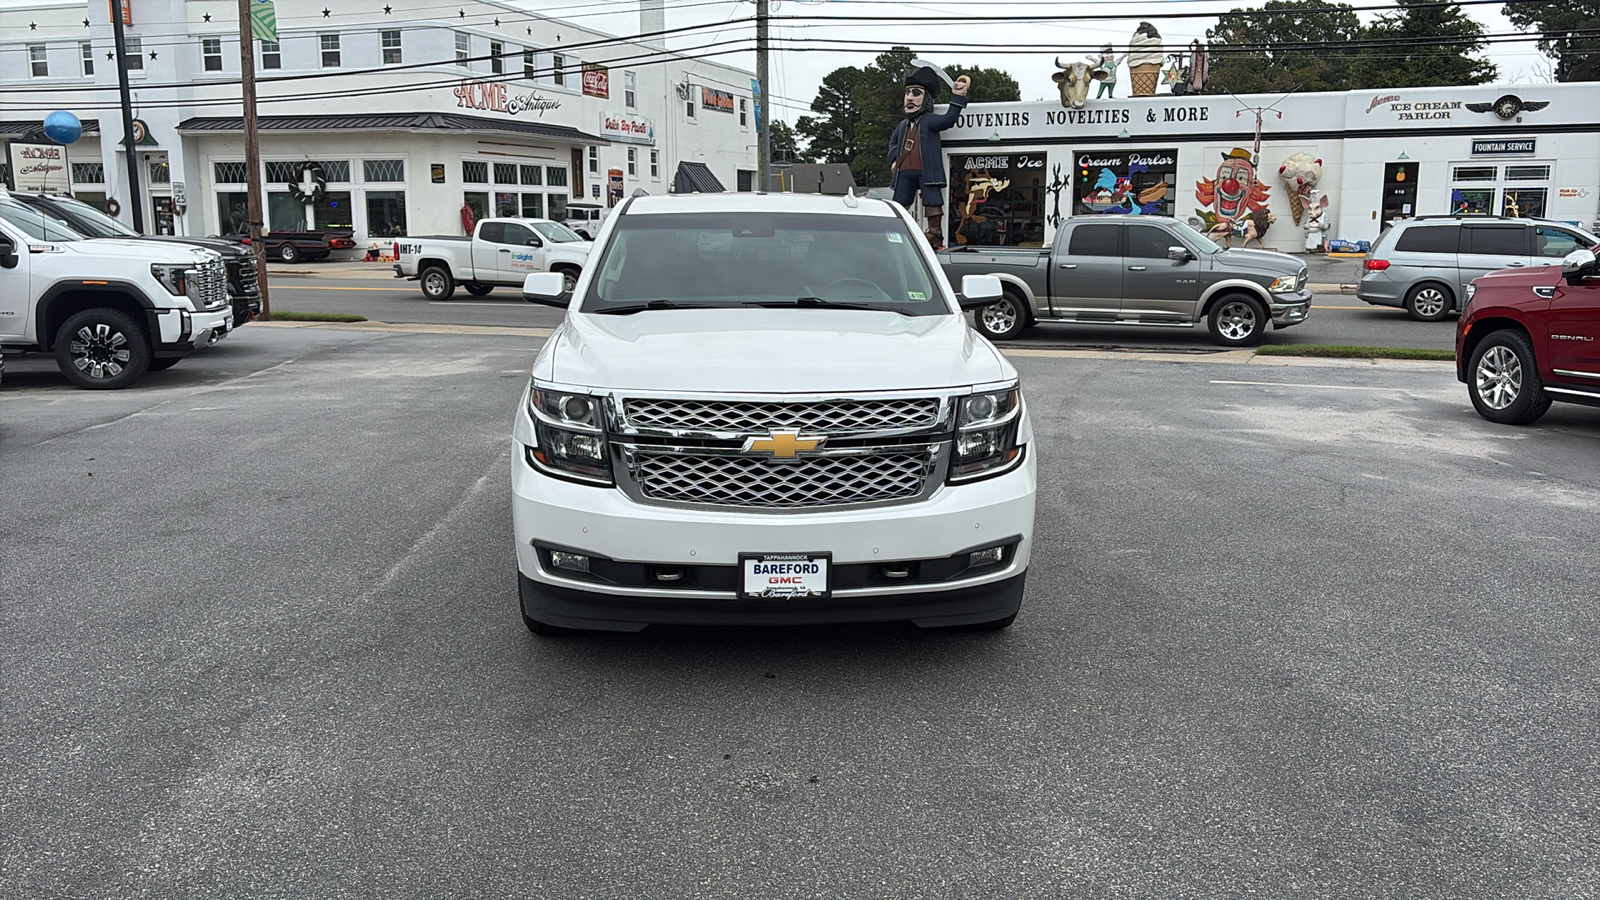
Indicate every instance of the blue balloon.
{"type": "Point", "coordinates": [62, 127]}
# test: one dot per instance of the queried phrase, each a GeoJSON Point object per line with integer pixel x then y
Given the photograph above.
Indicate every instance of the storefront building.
{"type": "Point", "coordinates": [401, 118]}
{"type": "Point", "coordinates": [1016, 169]}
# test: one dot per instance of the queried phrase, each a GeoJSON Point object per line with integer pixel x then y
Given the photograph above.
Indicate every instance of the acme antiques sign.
{"type": "Point", "coordinates": [38, 168]}
{"type": "Point", "coordinates": [495, 97]}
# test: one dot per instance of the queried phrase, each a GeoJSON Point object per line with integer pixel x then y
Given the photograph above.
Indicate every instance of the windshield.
{"type": "Point", "coordinates": [34, 223]}
{"type": "Point", "coordinates": [555, 232]}
{"type": "Point", "coordinates": [764, 259]}
{"type": "Point", "coordinates": [102, 224]}
{"type": "Point", "coordinates": [1198, 240]}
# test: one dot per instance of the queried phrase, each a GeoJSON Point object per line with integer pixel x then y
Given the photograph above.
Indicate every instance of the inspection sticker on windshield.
{"type": "Point", "coordinates": [916, 295]}
{"type": "Point", "coordinates": [893, 238]}
{"type": "Point", "coordinates": [783, 576]}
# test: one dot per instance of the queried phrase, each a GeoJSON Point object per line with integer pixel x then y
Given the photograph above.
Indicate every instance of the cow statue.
{"type": "Point", "coordinates": [1074, 80]}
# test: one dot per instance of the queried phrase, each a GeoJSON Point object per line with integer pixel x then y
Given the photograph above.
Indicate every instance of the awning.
{"type": "Point", "coordinates": [34, 130]}
{"type": "Point", "coordinates": [429, 122]}
{"type": "Point", "coordinates": [695, 178]}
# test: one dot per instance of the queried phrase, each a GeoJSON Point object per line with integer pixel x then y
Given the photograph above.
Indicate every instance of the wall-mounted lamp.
{"type": "Point", "coordinates": [994, 136]}
{"type": "Point", "coordinates": [1403, 155]}
{"type": "Point", "coordinates": [1124, 134]}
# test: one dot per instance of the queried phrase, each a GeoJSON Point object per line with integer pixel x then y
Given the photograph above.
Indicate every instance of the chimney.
{"type": "Point", "coordinates": [653, 19]}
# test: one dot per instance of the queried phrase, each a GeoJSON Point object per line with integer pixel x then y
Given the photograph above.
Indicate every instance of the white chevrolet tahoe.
{"type": "Point", "coordinates": [500, 252]}
{"type": "Point", "coordinates": [769, 409]}
{"type": "Point", "coordinates": [110, 310]}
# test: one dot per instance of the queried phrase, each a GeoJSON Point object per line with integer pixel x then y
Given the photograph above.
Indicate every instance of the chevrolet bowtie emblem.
{"type": "Point", "coordinates": [783, 443]}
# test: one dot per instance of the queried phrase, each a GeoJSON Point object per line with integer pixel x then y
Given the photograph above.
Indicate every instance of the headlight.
{"type": "Point", "coordinates": [1284, 284]}
{"type": "Point", "coordinates": [1471, 290]}
{"type": "Point", "coordinates": [175, 278]}
{"type": "Point", "coordinates": [569, 435]}
{"type": "Point", "coordinates": [986, 434]}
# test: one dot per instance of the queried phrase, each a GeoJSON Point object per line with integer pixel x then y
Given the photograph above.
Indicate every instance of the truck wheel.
{"type": "Point", "coordinates": [479, 290]}
{"type": "Point", "coordinates": [102, 349]}
{"type": "Point", "coordinates": [437, 283]}
{"type": "Point", "coordinates": [288, 253]}
{"type": "Point", "coordinates": [1238, 321]}
{"type": "Point", "coordinates": [1429, 302]}
{"type": "Point", "coordinates": [1004, 319]}
{"type": "Point", "coordinates": [1503, 380]}
{"type": "Point", "coordinates": [569, 279]}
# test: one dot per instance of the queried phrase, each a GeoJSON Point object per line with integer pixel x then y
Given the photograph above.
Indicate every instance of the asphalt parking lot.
{"type": "Point", "coordinates": [1303, 630]}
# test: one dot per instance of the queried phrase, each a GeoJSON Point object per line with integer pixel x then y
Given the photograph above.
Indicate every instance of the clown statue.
{"type": "Point", "coordinates": [916, 152]}
{"type": "Point", "coordinates": [1105, 70]}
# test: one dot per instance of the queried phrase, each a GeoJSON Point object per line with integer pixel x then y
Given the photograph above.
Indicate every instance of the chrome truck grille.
{"type": "Point", "coordinates": [690, 451]}
{"type": "Point", "coordinates": [210, 290]}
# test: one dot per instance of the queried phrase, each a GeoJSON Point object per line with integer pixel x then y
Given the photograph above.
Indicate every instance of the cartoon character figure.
{"type": "Point", "coordinates": [1105, 70]}
{"type": "Point", "coordinates": [916, 152]}
{"type": "Point", "coordinates": [1316, 223]}
{"type": "Point", "coordinates": [1250, 227]}
{"type": "Point", "coordinates": [979, 187]}
{"type": "Point", "coordinates": [1234, 193]}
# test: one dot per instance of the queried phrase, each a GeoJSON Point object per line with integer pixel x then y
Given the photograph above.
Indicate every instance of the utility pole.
{"type": "Point", "coordinates": [135, 203]}
{"type": "Point", "coordinates": [764, 102]}
{"type": "Point", "coordinates": [252, 152]}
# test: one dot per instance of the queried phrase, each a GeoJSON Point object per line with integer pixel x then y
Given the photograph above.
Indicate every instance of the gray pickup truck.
{"type": "Point", "coordinates": [1136, 270]}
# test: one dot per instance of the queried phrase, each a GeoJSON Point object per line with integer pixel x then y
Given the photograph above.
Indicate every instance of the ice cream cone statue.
{"type": "Point", "coordinates": [1145, 56]}
{"type": "Point", "coordinates": [1300, 173]}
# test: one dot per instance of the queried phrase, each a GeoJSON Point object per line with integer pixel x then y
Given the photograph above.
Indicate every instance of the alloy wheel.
{"type": "Point", "coordinates": [1429, 302]}
{"type": "Point", "coordinates": [100, 351]}
{"type": "Point", "coordinates": [1499, 378]}
{"type": "Point", "coordinates": [1237, 320]}
{"type": "Point", "coordinates": [1000, 316]}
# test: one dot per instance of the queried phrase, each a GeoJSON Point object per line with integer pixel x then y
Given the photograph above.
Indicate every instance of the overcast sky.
{"type": "Point", "coordinates": [796, 75]}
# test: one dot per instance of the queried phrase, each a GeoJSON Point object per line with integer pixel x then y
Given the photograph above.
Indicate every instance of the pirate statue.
{"type": "Point", "coordinates": [916, 153]}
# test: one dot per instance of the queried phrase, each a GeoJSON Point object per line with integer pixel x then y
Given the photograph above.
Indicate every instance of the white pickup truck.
{"type": "Point", "coordinates": [769, 409]}
{"type": "Point", "coordinates": [110, 310]}
{"type": "Point", "coordinates": [500, 252]}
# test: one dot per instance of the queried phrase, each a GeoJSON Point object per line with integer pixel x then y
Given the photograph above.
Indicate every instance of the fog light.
{"type": "Point", "coordinates": [575, 562]}
{"type": "Point", "coordinates": [987, 557]}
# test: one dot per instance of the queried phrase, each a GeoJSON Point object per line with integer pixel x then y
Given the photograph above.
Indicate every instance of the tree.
{"type": "Point", "coordinates": [831, 134]}
{"type": "Point", "coordinates": [1254, 50]}
{"type": "Point", "coordinates": [881, 100]}
{"type": "Point", "coordinates": [785, 146]}
{"type": "Point", "coordinates": [988, 85]}
{"type": "Point", "coordinates": [1576, 56]}
{"type": "Point", "coordinates": [1422, 44]}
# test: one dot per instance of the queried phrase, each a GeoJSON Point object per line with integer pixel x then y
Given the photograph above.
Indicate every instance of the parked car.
{"type": "Point", "coordinates": [769, 409]}
{"type": "Point", "coordinates": [110, 310]}
{"type": "Point", "coordinates": [1137, 270]}
{"type": "Point", "coordinates": [301, 246]}
{"type": "Point", "coordinates": [500, 252]}
{"type": "Point", "coordinates": [1425, 264]}
{"type": "Point", "coordinates": [244, 290]}
{"type": "Point", "coordinates": [585, 219]}
{"type": "Point", "coordinates": [1532, 336]}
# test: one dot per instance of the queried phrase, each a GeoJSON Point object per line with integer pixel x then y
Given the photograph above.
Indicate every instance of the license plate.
{"type": "Point", "coordinates": [784, 576]}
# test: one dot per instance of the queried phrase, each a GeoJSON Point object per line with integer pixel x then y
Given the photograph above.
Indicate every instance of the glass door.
{"type": "Point", "coordinates": [1399, 191]}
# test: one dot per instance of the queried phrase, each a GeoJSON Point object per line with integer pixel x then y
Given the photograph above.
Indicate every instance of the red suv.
{"type": "Point", "coordinates": [1532, 336]}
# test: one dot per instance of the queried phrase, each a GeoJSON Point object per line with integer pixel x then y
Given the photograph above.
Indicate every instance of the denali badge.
{"type": "Point", "coordinates": [1570, 337]}
{"type": "Point", "coordinates": [782, 443]}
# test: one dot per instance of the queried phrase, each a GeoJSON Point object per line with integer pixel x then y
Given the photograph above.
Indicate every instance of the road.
{"type": "Point", "coordinates": [1291, 631]}
{"type": "Point", "coordinates": [368, 289]}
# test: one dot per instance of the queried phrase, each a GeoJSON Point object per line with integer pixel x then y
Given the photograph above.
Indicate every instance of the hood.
{"type": "Point", "coordinates": [1258, 261]}
{"type": "Point", "coordinates": [573, 250]}
{"type": "Point", "coordinates": [140, 250]}
{"type": "Point", "coordinates": [769, 351]}
{"type": "Point", "coordinates": [1537, 276]}
{"type": "Point", "coordinates": [229, 249]}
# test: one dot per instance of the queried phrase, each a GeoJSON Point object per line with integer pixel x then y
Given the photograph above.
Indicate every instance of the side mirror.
{"type": "Point", "coordinates": [535, 241]}
{"type": "Point", "coordinates": [1577, 265]}
{"type": "Point", "coordinates": [547, 288]}
{"type": "Point", "coordinates": [978, 291]}
{"type": "Point", "coordinates": [8, 254]}
{"type": "Point", "coordinates": [1181, 254]}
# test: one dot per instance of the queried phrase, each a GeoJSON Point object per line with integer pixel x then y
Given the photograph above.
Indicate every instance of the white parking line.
{"type": "Point", "coordinates": [1325, 387]}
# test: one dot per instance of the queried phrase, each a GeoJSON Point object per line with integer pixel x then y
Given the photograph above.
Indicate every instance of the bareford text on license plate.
{"type": "Point", "coordinates": [785, 575]}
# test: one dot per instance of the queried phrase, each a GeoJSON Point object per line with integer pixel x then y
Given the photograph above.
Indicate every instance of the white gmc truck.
{"type": "Point", "coordinates": [769, 409]}
{"type": "Point", "coordinates": [109, 309]}
{"type": "Point", "coordinates": [500, 252]}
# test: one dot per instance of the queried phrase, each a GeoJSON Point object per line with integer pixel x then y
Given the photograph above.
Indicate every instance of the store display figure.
{"type": "Point", "coordinates": [916, 151]}
{"type": "Point", "coordinates": [1145, 56]}
{"type": "Point", "coordinates": [1105, 70]}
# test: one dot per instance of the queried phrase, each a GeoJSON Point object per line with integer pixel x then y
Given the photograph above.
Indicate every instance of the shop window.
{"type": "Point", "coordinates": [271, 55]}
{"type": "Point", "coordinates": [655, 163]}
{"type": "Point", "coordinates": [38, 59]}
{"type": "Point", "coordinates": [505, 173]}
{"type": "Point", "coordinates": [160, 173]}
{"type": "Point", "coordinates": [497, 54]}
{"type": "Point", "coordinates": [334, 212]}
{"type": "Point", "coordinates": [383, 170]}
{"type": "Point", "coordinates": [335, 169]}
{"type": "Point", "coordinates": [744, 113]}
{"type": "Point", "coordinates": [533, 206]}
{"type": "Point", "coordinates": [1523, 203]}
{"type": "Point", "coordinates": [1527, 173]}
{"type": "Point", "coordinates": [386, 213]}
{"type": "Point", "coordinates": [282, 172]}
{"type": "Point", "coordinates": [744, 180]}
{"type": "Point", "coordinates": [633, 162]}
{"type": "Point", "coordinates": [1472, 202]}
{"type": "Point", "coordinates": [505, 204]}
{"type": "Point", "coordinates": [1399, 192]}
{"type": "Point", "coordinates": [594, 160]}
{"type": "Point", "coordinates": [284, 213]}
{"type": "Point", "coordinates": [229, 173]}
{"type": "Point", "coordinates": [558, 207]}
{"type": "Point", "coordinates": [133, 54]}
{"type": "Point", "coordinates": [463, 50]}
{"type": "Point", "coordinates": [1555, 243]}
{"type": "Point", "coordinates": [211, 54]}
{"type": "Point", "coordinates": [999, 199]}
{"type": "Point", "coordinates": [86, 51]}
{"type": "Point", "coordinates": [478, 202]}
{"type": "Point", "coordinates": [688, 109]}
{"type": "Point", "coordinates": [558, 65]}
{"type": "Point", "coordinates": [530, 66]}
{"type": "Point", "coordinates": [1475, 173]}
{"type": "Point", "coordinates": [533, 175]}
{"type": "Point", "coordinates": [555, 176]}
{"type": "Point", "coordinates": [474, 171]}
{"type": "Point", "coordinates": [88, 173]}
{"type": "Point", "coordinates": [392, 52]}
{"type": "Point", "coordinates": [629, 98]}
{"type": "Point", "coordinates": [233, 212]}
{"type": "Point", "coordinates": [330, 50]}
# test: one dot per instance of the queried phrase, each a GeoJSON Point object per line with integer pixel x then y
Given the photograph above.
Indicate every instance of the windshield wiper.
{"type": "Point", "coordinates": [819, 303]}
{"type": "Point", "coordinates": [627, 309]}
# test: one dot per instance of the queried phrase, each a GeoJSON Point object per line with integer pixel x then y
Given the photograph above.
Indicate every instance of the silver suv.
{"type": "Point", "coordinates": [1425, 264]}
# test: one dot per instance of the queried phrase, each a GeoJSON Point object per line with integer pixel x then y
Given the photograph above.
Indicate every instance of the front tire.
{"type": "Point", "coordinates": [479, 290]}
{"type": "Point", "coordinates": [437, 283]}
{"type": "Point", "coordinates": [102, 349]}
{"type": "Point", "coordinates": [1004, 319]}
{"type": "Point", "coordinates": [288, 253]}
{"type": "Point", "coordinates": [1238, 321]}
{"type": "Point", "coordinates": [1429, 302]}
{"type": "Point", "coordinates": [569, 280]}
{"type": "Point", "coordinates": [1503, 380]}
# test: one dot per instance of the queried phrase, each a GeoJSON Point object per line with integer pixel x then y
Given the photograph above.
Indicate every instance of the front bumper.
{"type": "Point", "coordinates": [1290, 309]}
{"type": "Point", "coordinates": [606, 524]}
{"type": "Point", "coordinates": [181, 331]}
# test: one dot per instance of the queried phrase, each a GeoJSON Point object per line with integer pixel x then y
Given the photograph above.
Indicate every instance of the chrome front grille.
{"type": "Point", "coordinates": [757, 417]}
{"type": "Point", "coordinates": [875, 475]}
{"type": "Point", "coordinates": [244, 280]}
{"type": "Point", "coordinates": [210, 280]}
